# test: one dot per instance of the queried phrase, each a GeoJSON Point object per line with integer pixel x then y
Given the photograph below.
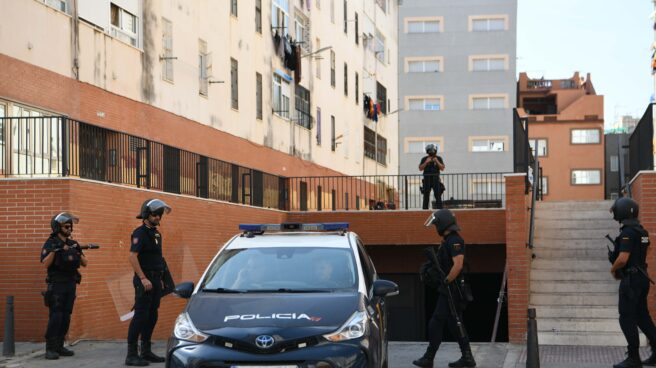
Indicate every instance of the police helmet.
{"type": "Point", "coordinates": [156, 206]}
{"type": "Point", "coordinates": [431, 149]}
{"type": "Point", "coordinates": [60, 219]}
{"type": "Point", "coordinates": [625, 209]}
{"type": "Point", "coordinates": [443, 220]}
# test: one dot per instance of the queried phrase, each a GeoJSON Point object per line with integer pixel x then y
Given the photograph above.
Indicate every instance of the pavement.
{"type": "Point", "coordinates": [106, 353]}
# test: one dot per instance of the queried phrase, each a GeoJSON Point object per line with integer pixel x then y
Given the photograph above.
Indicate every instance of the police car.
{"type": "Point", "coordinates": [285, 296]}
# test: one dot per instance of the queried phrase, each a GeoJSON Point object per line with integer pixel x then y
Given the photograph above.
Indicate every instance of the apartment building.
{"type": "Point", "coordinates": [287, 78]}
{"type": "Point", "coordinates": [457, 84]}
{"type": "Point", "coordinates": [565, 128]}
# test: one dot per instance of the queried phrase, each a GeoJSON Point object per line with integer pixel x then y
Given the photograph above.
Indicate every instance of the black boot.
{"type": "Point", "coordinates": [51, 349]}
{"type": "Point", "coordinates": [426, 361]}
{"type": "Point", "coordinates": [632, 360]}
{"type": "Point", "coordinates": [133, 357]}
{"type": "Point", "coordinates": [148, 354]}
{"type": "Point", "coordinates": [62, 350]}
{"type": "Point", "coordinates": [466, 361]}
{"type": "Point", "coordinates": [651, 361]}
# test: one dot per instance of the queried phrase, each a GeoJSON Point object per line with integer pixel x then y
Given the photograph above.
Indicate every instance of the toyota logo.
{"type": "Point", "coordinates": [264, 341]}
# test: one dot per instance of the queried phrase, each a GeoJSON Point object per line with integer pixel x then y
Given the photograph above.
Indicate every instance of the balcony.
{"type": "Point", "coordinates": [539, 84]}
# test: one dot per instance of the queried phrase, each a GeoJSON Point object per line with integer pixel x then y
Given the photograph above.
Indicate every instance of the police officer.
{"type": "Point", "coordinates": [451, 257]}
{"type": "Point", "coordinates": [431, 165]}
{"type": "Point", "coordinates": [62, 257]}
{"type": "Point", "coordinates": [630, 267]}
{"type": "Point", "coordinates": [148, 264]}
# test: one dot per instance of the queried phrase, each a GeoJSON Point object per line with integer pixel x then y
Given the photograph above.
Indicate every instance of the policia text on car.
{"type": "Point", "coordinates": [62, 256]}
{"type": "Point", "coordinates": [628, 260]}
{"type": "Point", "coordinates": [444, 271]}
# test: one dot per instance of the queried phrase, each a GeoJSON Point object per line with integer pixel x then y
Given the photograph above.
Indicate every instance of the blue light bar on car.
{"type": "Point", "coordinates": [326, 226]}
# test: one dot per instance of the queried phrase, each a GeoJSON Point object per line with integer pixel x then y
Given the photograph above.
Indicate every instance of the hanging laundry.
{"type": "Point", "coordinates": [276, 41]}
{"type": "Point", "coordinates": [280, 50]}
{"type": "Point", "coordinates": [365, 105]}
{"type": "Point", "coordinates": [371, 108]}
{"type": "Point", "coordinates": [297, 62]}
{"type": "Point", "coordinates": [376, 110]}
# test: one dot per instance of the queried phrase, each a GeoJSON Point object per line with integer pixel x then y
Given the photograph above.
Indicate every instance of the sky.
{"type": "Point", "coordinates": [611, 39]}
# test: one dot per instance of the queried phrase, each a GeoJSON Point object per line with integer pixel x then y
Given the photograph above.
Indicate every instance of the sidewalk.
{"type": "Point", "coordinates": [101, 354]}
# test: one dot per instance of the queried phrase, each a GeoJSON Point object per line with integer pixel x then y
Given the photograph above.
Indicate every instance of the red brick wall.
{"type": "Point", "coordinates": [192, 234]}
{"type": "Point", "coordinates": [643, 190]}
{"type": "Point", "coordinates": [517, 257]}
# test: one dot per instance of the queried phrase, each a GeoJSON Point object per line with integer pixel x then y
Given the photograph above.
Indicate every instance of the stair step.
{"type": "Point", "coordinates": [582, 287]}
{"type": "Point", "coordinates": [581, 205]}
{"type": "Point", "coordinates": [585, 223]}
{"type": "Point", "coordinates": [607, 298]}
{"type": "Point", "coordinates": [593, 254]}
{"type": "Point", "coordinates": [589, 325]}
{"type": "Point", "coordinates": [559, 275]}
{"type": "Point", "coordinates": [570, 265]}
{"type": "Point", "coordinates": [578, 338]}
{"type": "Point", "coordinates": [570, 234]}
{"type": "Point", "coordinates": [576, 311]}
{"type": "Point", "coordinates": [571, 214]}
{"type": "Point", "coordinates": [591, 243]}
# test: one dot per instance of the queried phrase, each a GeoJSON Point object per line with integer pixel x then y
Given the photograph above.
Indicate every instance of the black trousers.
{"type": "Point", "coordinates": [146, 304]}
{"type": "Point", "coordinates": [432, 183]}
{"type": "Point", "coordinates": [61, 307]}
{"type": "Point", "coordinates": [442, 316]}
{"type": "Point", "coordinates": [633, 310]}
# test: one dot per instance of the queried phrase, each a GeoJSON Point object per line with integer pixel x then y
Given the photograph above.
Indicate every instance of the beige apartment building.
{"type": "Point", "coordinates": [288, 75]}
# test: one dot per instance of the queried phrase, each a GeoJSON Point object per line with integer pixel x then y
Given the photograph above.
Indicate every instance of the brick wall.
{"type": "Point", "coordinates": [518, 257]}
{"type": "Point", "coordinates": [643, 190]}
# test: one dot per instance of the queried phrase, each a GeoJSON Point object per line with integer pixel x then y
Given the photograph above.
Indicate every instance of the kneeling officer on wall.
{"type": "Point", "coordinates": [444, 270]}
{"type": "Point", "coordinates": [62, 256]}
{"type": "Point", "coordinates": [629, 265]}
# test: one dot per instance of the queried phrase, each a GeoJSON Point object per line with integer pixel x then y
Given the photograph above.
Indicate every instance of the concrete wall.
{"type": "Point", "coordinates": [457, 122]}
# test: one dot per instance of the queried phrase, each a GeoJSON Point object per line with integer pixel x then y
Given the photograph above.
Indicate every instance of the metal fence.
{"type": "Point", "coordinates": [641, 144]}
{"type": "Point", "coordinates": [55, 146]}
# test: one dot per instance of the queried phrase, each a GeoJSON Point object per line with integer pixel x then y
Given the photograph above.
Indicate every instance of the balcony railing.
{"type": "Point", "coordinates": [55, 146]}
{"type": "Point", "coordinates": [539, 84]}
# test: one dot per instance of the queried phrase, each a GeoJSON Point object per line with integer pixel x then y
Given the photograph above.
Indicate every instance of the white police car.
{"type": "Point", "coordinates": [289, 295]}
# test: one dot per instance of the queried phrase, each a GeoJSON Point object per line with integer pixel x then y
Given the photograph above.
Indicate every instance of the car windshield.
{"type": "Point", "coordinates": [282, 269]}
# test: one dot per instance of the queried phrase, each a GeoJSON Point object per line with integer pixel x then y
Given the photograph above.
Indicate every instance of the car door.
{"type": "Point", "coordinates": [376, 306]}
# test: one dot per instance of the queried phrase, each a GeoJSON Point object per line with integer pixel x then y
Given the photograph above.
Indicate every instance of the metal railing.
{"type": "Point", "coordinates": [394, 192]}
{"type": "Point", "coordinates": [56, 146]}
{"type": "Point", "coordinates": [641, 144]}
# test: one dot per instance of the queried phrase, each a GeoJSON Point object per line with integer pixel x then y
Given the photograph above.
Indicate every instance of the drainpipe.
{"type": "Point", "coordinates": [75, 40]}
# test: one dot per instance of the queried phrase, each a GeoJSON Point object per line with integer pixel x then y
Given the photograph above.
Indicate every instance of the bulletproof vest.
{"type": "Point", "coordinates": [640, 240]}
{"type": "Point", "coordinates": [443, 257]}
{"type": "Point", "coordinates": [150, 256]}
{"type": "Point", "coordinates": [66, 262]}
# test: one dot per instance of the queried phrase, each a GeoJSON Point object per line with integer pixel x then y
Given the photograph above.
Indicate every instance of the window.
{"type": "Point", "coordinates": [418, 145]}
{"type": "Point", "coordinates": [487, 103]}
{"type": "Point", "coordinates": [332, 12]}
{"type": "Point", "coordinates": [233, 7]}
{"type": "Point", "coordinates": [585, 136]}
{"type": "Point", "coordinates": [357, 88]}
{"type": "Point", "coordinates": [318, 126]}
{"type": "Point", "coordinates": [345, 17]}
{"type": "Point", "coordinates": [423, 26]}
{"type": "Point", "coordinates": [545, 185]}
{"type": "Point", "coordinates": [375, 147]}
{"type": "Point", "coordinates": [583, 177]}
{"type": "Point", "coordinates": [381, 94]}
{"type": "Point", "coordinates": [424, 66]}
{"type": "Point", "coordinates": [258, 16]}
{"type": "Point", "coordinates": [426, 104]}
{"type": "Point", "coordinates": [614, 163]}
{"type": "Point", "coordinates": [301, 31]}
{"type": "Point", "coordinates": [318, 4]}
{"type": "Point", "coordinates": [567, 84]}
{"type": "Point", "coordinates": [345, 80]}
{"type": "Point", "coordinates": [333, 143]}
{"type": "Point", "coordinates": [487, 64]}
{"type": "Point", "coordinates": [167, 50]}
{"type": "Point", "coordinates": [304, 118]}
{"type": "Point", "coordinates": [258, 96]}
{"type": "Point", "coordinates": [318, 60]}
{"type": "Point", "coordinates": [541, 145]}
{"type": "Point", "coordinates": [357, 30]}
{"type": "Point", "coordinates": [280, 96]}
{"type": "Point", "coordinates": [497, 144]}
{"type": "Point", "coordinates": [234, 83]}
{"type": "Point", "coordinates": [487, 24]}
{"type": "Point", "coordinates": [57, 4]}
{"type": "Point", "coordinates": [332, 68]}
{"type": "Point", "coordinates": [203, 77]}
{"type": "Point", "coordinates": [280, 16]}
{"type": "Point", "coordinates": [379, 47]}
{"type": "Point", "coordinates": [124, 25]}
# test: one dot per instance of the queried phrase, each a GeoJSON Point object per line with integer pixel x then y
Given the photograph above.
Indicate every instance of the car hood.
{"type": "Point", "coordinates": [286, 316]}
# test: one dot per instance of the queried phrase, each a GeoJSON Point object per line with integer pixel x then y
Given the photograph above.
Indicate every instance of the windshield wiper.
{"type": "Point", "coordinates": [287, 290]}
{"type": "Point", "coordinates": [223, 290]}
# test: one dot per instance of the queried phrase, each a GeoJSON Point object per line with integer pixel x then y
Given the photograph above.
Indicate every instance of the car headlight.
{"type": "Point", "coordinates": [185, 330]}
{"type": "Point", "coordinates": [355, 327]}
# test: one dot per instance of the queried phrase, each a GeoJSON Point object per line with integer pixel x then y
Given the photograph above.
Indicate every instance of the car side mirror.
{"type": "Point", "coordinates": [184, 290]}
{"type": "Point", "coordinates": [383, 288]}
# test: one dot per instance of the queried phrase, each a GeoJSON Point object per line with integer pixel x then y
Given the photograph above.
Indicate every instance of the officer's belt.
{"type": "Point", "coordinates": [153, 273]}
{"type": "Point", "coordinates": [634, 269]}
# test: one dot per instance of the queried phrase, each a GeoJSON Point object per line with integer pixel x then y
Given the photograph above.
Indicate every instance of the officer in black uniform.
{"type": "Point", "coordinates": [451, 257]}
{"type": "Point", "coordinates": [148, 264]}
{"type": "Point", "coordinates": [431, 165]}
{"type": "Point", "coordinates": [62, 256]}
{"type": "Point", "coordinates": [629, 266]}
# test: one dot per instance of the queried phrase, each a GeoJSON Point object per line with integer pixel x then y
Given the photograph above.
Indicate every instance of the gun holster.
{"type": "Point", "coordinates": [167, 280]}
{"type": "Point", "coordinates": [47, 296]}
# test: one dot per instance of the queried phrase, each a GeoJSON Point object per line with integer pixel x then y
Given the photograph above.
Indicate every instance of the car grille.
{"type": "Point", "coordinates": [278, 347]}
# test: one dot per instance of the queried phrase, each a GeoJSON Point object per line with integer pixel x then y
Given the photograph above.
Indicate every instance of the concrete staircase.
{"type": "Point", "coordinates": [573, 292]}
